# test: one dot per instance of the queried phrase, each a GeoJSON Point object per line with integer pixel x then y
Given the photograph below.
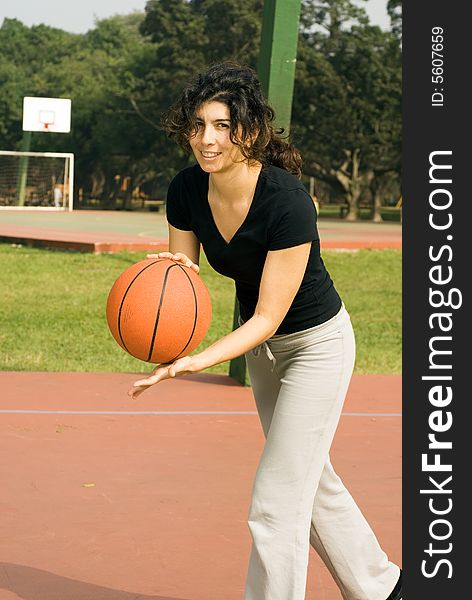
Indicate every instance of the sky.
{"type": "Point", "coordinates": [79, 17]}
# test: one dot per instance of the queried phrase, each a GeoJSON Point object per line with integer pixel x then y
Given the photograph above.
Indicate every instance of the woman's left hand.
{"type": "Point", "coordinates": [182, 366]}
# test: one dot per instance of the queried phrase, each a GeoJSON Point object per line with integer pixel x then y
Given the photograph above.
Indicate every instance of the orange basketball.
{"type": "Point", "coordinates": [158, 310]}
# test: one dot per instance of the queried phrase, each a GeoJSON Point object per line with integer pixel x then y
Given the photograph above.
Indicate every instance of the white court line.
{"type": "Point", "coordinates": [170, 412]}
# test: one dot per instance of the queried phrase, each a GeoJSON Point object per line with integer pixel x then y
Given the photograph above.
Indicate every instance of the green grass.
{"type": "Point", "coordinates": [52, 309]}
{"type": "Point", "coordinates": [369, 282]}
{"type": "Point", "coordinates": [388, 213]}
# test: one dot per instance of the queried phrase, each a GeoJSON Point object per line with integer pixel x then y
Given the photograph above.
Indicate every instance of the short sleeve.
{"type": "Point", "coordinates": [294, 220]}
{"type": "Point", "coordinates": [177, 213]}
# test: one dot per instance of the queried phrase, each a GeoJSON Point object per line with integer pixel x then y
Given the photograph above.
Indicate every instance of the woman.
{"type": "Point", "coordinates": [244, 203]}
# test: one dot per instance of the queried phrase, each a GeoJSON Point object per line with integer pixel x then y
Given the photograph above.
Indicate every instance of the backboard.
{"type": "Point", "coordinates": [46, 114]}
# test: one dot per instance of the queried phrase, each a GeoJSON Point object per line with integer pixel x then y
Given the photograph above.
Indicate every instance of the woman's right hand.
{"type": "Point", "coordinates": [179, 257]}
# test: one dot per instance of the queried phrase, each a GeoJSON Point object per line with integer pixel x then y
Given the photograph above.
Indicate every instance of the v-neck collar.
{"type": "Point", "coordinates": [210, 213]}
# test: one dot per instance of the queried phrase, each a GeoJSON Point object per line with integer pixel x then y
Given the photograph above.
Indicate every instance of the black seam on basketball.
{"type": "Point", "coordinates": [195, 319]}
{"type": "Point", "coordinates": [156, 322]}
{"type": "Point", "coordinates": [124, 297]}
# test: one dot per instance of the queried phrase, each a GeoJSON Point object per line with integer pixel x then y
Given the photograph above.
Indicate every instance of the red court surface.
{"type": "Point", "coordinates": [106, 498]}
{"type": "Point", "coordinates": [112, 231]}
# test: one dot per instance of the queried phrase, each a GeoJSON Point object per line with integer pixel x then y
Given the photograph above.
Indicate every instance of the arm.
{"type": "Point", "coordinates": [184, 242]}
{"type": "Point", "coordinates": [184, 247]}
{"type": "Point", "coordinates": [281, 279]}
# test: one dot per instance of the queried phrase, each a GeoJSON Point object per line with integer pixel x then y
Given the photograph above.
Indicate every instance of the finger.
{"type": "Point", "coordinates": [192, 266]}
{"type": "Point", "coordinates": [135, 392]}
{"type": "Point", "coordinates": [153, 379]}
{"type": "Point", "coordinates": [179, 367]}
{"type": "Point", "coordinates": [181, 257]}
{"type": "Point", "coordinates": [142, 385]}
{"type": "Point", "coordinates": [185, 260]}
{"type": "Point", "coordinates": [161, 372]}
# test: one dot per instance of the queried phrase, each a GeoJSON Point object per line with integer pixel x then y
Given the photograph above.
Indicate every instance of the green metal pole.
{"type": "Point", "coordinates": [278, 56]}
{"type": "Point", "coordinates": [276, 70]}
{"type": "Point", "coordinates": [237, 367]}
{"type": "Point", "coordinates": [23, 169]}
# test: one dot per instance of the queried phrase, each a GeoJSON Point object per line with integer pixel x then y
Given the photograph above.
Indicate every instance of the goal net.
{"type": "Point", "coordinates": [36, 180]}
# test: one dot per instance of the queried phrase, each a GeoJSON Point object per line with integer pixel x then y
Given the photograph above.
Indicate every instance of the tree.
{"type": "Point", "coordinates": [26, 55]}
{"type": "Point", "coordinates": [123, 74]}
{"type": "Point", "coordinates": [187, 36]}
{"type": "Point", "coordinates": [394, 9]}
{"type": "Point", "coordinates": [347, 101]}
{"type": "Point", "coordinates": [107, 136]}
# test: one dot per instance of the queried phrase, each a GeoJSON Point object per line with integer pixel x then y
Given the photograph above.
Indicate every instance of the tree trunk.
{"type": "Point", "coordinates": [377, 217]}
{"type": "Point", "coordinates": [353, 188]}
{"type": "Point", "coordinates": [98, 183]}
{"type": "Point", "coordinates": [352, 214]}
{"type": "Point", "coordinates": [128, 193]}
{"type": "Point", "coordinates": [346, 177]}
{"type": "Point", "coordinates": [377, 184]}
{"type": "Point", "coordinates": [110, 192]}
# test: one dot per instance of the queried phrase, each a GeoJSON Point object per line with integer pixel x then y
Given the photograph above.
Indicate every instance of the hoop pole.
{"type": "Point", "coordinates": [276, 70]}
{"type": "Point", "coordinates": [23, 169]}
{"type": "Point", "coordinates": [71, 182]}
{"type": "Point", "coordinates": [237, 367]}
{"type": "Point", "coordinates": [278, 56]}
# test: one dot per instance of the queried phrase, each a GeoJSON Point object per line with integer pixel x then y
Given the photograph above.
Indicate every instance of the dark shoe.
{"type": "Point", "coordinates": [397, 590]}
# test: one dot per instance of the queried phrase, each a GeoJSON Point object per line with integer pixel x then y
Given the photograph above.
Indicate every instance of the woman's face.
{"type": "Point", "coordinates": [213, 149]}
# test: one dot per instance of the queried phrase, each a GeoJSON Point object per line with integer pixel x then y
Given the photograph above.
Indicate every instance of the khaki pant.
{"type": "Point", "coordinates": [299, 383]}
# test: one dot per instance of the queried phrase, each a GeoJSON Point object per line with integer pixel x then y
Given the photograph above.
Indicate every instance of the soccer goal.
{"type": "Point", "coordinates": [36, 180]}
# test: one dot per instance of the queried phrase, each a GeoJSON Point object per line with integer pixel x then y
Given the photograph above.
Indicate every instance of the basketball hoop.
{"type": "Point", "coordinates": [47, 117]}
{"type": "Point", "coordinates": [46, 114]}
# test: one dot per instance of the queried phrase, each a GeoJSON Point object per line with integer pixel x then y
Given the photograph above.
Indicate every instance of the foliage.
{"type": "Point", "coordinates": [394, 9]}
{"type": "Point", "coordinates": [347, 115]}
{"type": "Point", "coordinates": [24, 53]}
{"type": "Point", "coordinates": [126, 71]}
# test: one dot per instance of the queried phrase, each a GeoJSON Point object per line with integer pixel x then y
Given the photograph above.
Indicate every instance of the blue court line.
{"type": "Point", "coordinates": [169, 412]}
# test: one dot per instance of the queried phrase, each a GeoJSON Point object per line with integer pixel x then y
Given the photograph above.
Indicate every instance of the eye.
{"type": "Point", "coordinates": [223, 125]}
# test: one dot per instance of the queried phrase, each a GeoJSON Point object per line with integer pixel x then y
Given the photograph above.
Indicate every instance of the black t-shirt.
{"type": "Point", "coordinates": [282, 215]}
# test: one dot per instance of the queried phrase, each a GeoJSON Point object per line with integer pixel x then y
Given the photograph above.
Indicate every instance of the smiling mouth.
{"type": "Point", "coordinates": [210, 154]}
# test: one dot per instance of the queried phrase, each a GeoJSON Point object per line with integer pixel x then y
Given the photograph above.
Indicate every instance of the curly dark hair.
{"type": "Point", "coordinates": [251, 116]}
